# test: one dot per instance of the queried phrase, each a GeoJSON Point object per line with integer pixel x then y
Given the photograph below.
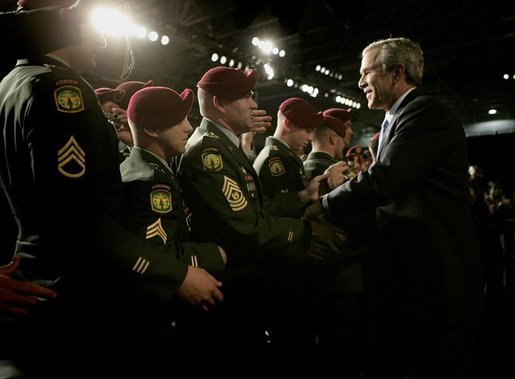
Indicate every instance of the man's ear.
{"type": "Point", "coordinates": [398, 72]}
{"type": "Point", "coordinates": [287, 124]}
{"type": "Point", "coordinates": [218, 103]}
{"type": "Point", "coordinates": [332, 138]}
{"type": "Point", "coordinates": [151, 132]}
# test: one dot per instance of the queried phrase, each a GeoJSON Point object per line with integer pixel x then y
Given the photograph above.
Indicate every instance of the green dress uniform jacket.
{"type": "Point", "coordinates": [156, 210]}
{"type": "Point", "coordinates": [227, 202]}
{"type": "Point", "coordinates": [282, 176]}
{"type": "Point", "coordinates": [60, 172]}
{"type": "Point", "coordinates": [317, 162]}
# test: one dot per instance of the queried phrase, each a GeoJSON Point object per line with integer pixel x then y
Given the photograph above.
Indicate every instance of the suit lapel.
{"type": "Point", "coordinates": [393, 123]}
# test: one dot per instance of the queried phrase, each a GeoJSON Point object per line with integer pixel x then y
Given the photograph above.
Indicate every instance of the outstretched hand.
{"type": "Point", "coordinates": [326, 241]}
{"type": "Point", "coordinates": [311, 192]}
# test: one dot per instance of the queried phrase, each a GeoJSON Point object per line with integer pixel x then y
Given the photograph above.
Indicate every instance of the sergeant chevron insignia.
{"type": "Point", "coordinates": [161, 201]}
{"type": "Point", "coordinates": [68, 99]}
{"type": "Point", "coordinates": [71, 160]}
{"type": "Point", "coordinates": [233, 194]}
{"type": "Point", "coordinates": [156, 230]}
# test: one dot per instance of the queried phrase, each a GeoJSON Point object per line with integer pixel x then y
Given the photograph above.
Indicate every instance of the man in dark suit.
{"type": "Point", "coordinates": [424, 276]}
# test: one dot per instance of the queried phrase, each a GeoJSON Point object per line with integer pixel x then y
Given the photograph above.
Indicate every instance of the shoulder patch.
{"type": "Point", "coordinates": [156, 230]}
{"type": "Point", "coordinates": [233, 194]}
{"type": "Point", "coordinates": [212, 161]}
{"type": "Point", "coordinates": [276, 166]}
{"type": "Point", "coordinates": [71, 159]}
{"type": "Point", "coordinates": [68, 99]}
{"type": "Point", "coordinates": [274, 148]}
{"type": "Point", "coordinates": [161, 201]}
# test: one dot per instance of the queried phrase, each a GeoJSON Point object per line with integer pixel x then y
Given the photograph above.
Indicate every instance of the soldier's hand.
{"type": "Point", "coordinates": [260, 121]}
{"type": "Point", "coordinates": [200, 288]}
{"type": "Point", "coordinates": [336, 174]}
{"type": "Point", "coordinates": [328, 237]}
{"type": "Point", "coordinates": [17, 296]}
{"type": "Point", "coordinates": [314, 211]}
{"type": "Point", "coordinates": [311, 192]}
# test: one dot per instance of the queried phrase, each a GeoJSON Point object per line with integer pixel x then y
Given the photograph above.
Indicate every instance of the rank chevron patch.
{"type": "Point", "coordinates": [71, 159]}
{"type": "Point", "coordinates": [233, 194]}
{"type": "Point", "coordinates": [156, 229]}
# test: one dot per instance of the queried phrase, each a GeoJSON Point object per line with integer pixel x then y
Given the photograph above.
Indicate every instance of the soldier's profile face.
{"type": "Point", "coordinates": [83, 57]}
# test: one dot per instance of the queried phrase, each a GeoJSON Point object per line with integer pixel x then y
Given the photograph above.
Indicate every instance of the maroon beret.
{"type": "Point", "coordinates": [105, 94]}
{"type": "Point", "coordinates": [341, 114]}
{"type": "Point", "coordinates": [125, 91]}
{"type": "Point", "coordinates": [35, 4]}
{"type": "Point", "coordinates": [159, 107]}
{"type": "Point", "coordinates": [353, 151]}
{"type": "Point", "coordinates": [228, 83]}
{"type": "Point", "coordinates": [301, 113]}
{"type": "Point", "coordinates": [335, 124]}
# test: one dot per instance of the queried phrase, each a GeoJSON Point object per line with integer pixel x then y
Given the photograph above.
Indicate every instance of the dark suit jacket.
{"type": "Point", "coordinates": [428, 261]}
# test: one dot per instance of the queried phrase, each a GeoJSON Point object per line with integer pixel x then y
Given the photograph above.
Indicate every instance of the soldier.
{"type": "Point", "coordinates": [279, 168]}
{"type": "Point", "coordinates": [156, 210]}
{"type": "Point", "coordinates": [227, 201]}
{"type": "Point", "coordinates": [328, 145]}
{"type": "Point", "coordinates": [61, 175]}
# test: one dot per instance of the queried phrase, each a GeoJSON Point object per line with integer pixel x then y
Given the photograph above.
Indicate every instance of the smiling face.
{"type": "Point", "coordinates": [377, 84]}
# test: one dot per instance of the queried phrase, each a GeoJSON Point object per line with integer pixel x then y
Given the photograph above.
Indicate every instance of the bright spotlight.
{"type": "Point", "coordinates": [223, 59]}
{"type": "Point", "coordinates": [153, 36]}
{"type": "Point", "coordinates": [111, 22]}
{"type": "Point", "coordinates": [255, 41]}
{"type": "Point", "coordinates": [214, 57]}
{"type": "Point", "coordinates": [139, 31]}
{"type": "Point", "coordinates": [282, 53]}
{"type": "Point", "coordinates": [165, 40]}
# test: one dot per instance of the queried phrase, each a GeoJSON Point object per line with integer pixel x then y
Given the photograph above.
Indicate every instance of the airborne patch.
{"type": "Point", "coordinates": [68, 99]}
{"type": "Point", "coordinates": [161, 201]}
{"type": "Point", "coordinates": [156, 230]}
{"type": "Point", "coordinates": [276, 167]}
{"type": "Point", "coordinates": [233, 194]}
{"type": "Point", "coordinates": [71, 160]}
{"type": "Point", "coordinates": [212, 161]}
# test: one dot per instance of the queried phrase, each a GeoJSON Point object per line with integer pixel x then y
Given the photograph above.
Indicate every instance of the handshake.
{"type": "Point", "coordinates": [327, 242]}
